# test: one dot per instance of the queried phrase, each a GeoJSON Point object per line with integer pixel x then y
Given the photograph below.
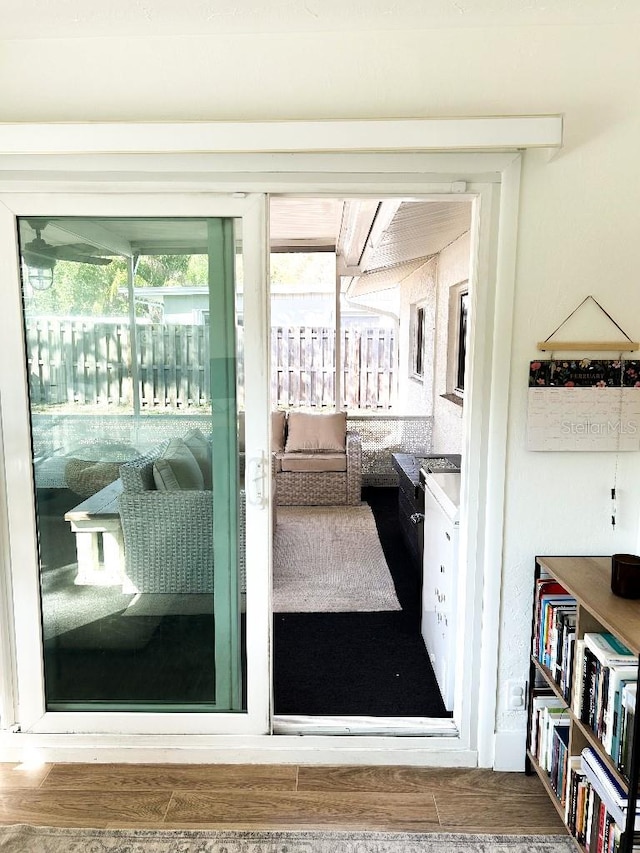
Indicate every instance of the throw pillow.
{"type": "Point", "coordinates": [177, 469]}
{"type": "Point", "coordinates": [278, 420]}
{"type": "Point", "coordinates": [316, 432]}
{"type": "Point", "coordinates": [201, 449]}
{"type": "Point", "coordinates": [86, 478]}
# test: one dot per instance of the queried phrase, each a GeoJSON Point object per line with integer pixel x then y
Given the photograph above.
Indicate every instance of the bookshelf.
{"type": "Point", "coordinates": [571, 705]}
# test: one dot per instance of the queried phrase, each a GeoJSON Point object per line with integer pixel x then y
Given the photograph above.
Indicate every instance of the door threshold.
{"type": "Point", "coordinates": [397, 726]}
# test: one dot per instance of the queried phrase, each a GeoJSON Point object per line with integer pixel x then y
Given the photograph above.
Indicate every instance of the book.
{"type": "Point", "coordinates": [551, 718]}
{"type": "Point", "coordinates": [545, 590]}
{"type": "Point", "coordinates": [601, 651]}
{"type": "Point", "coordinates": [565, 617]}
{"type": "Point", "coordinates": [608, 788]}
{"type": "Point", "coordinates": [574, 774]}
{"type": "Point", "coordinates": [548, 603]}
{"type": "Point", "coordinates": [628, 710]}
{"type": "Point", "coordinates": [607, 648]}
{"type": "Point", "coordinates": [559, 751]}
{"type": "Point", "coordinates": [564, 660]}
{"type": "Point", "coordinates": [538, 703]}
{"type": "Point", "coordinates": [578, 665]}
{"type": "Point", "coordinates": [617, 675]}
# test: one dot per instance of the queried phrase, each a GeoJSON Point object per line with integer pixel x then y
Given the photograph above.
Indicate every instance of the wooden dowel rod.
{"type": "Point", "coordinates": [586, 346]}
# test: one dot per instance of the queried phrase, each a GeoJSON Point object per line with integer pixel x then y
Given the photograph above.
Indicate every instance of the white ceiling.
{"type": "Point", "coordinates": [29, 19]}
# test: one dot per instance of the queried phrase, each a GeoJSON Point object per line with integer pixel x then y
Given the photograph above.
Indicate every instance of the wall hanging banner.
{"type": "Point", "coordinates": [584, 404]}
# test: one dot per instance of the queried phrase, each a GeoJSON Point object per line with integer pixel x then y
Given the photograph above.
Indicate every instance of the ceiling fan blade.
{"type": "Point", "coordinates": [69, 253]}
{"type": "Point", "coordinates": [78, 252]}
{"type": "Point", "coordinates": [49, 255]}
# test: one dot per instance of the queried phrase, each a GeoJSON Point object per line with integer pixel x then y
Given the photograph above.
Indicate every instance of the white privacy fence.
{"type": "Point", "coordinates": [82, 361]}
{"type": "Point", "coordinates": [303, 362]}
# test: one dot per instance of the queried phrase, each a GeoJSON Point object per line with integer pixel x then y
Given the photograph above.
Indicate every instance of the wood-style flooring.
{"type": "Point", "coordinates": [276, 797]}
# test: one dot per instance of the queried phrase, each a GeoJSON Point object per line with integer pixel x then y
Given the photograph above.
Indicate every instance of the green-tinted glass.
{"type": "Point", "coordinates": [134, 360]}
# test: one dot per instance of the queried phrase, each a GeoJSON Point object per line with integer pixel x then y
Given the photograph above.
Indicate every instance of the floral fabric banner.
{"type": "Point", "coordinates": [584, 373]}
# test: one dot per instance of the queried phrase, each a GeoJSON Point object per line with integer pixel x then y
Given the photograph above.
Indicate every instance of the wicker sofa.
{"type": "Point", "coordinates": [316, 461]}
{"type": "Point", "coordinates": [168, 535]}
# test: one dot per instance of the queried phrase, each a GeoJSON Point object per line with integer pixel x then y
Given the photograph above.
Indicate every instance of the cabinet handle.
{"type": "Point", "coordinates": [441, 567]}
{"type": "Point", "coordinates": [447, 535]}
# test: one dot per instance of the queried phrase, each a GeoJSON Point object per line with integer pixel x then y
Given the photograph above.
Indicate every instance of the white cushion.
{"type": "Point", "coordinates": [310, 463]}
{"type": "Point", "coordinates": [177, 469]}
{"type": "Point", "coordinates": [201, 449]}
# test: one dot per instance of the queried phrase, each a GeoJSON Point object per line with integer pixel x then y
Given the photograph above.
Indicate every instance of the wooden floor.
{"type": "Point", "coordinates": [275, 797]}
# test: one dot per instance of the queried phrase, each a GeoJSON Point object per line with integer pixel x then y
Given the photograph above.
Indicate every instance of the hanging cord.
{"type": "Point", "coordinates": [614, 490]}
{"type": "Point", "coordinates": [578, 307]}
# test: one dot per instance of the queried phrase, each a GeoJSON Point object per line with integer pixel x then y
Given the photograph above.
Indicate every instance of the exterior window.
{"type": "Point", "coordinates": [463, 302]}
{"type": "Point", "coordinates": [417, 349]}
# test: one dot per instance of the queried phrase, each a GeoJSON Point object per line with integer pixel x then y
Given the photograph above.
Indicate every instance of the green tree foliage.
{"type": "Point", "coordinates": [83, 290]}
{"type": "Point", "coordinates": [90, 290]}
{"type": "Point", "coordinates": [303, 269]}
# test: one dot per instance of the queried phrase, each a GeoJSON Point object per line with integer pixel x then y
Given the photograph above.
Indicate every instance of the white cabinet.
{"type": "Point", "coordinates": [439, 577]}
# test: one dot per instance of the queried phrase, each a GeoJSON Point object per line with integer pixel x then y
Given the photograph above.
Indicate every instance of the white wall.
{"type": "Point", "coordinates": [415, 396]}
{"type": "Point", "coordinates": [453, 269]}
{"type": "Point", "coordinates": [579, 212]}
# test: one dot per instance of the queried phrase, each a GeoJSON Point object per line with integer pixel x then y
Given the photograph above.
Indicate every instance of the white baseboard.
{"type": "Point", "coordinates": [417, 752]}
{"type": "Point", "coordinates": [510, 748]}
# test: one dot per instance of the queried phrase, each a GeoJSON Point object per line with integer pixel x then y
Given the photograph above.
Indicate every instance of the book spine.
{"type": "Point", "coordinates": [578, 680]}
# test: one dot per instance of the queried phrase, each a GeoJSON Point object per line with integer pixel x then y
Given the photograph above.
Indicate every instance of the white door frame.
{"type": "Point", "coordinates": [31, 713]}
{"type": "Point", "coordinates": [491, 175]}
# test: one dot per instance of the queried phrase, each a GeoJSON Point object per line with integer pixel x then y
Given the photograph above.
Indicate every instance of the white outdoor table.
{"type": "Point", "coordinates": [98, 516]}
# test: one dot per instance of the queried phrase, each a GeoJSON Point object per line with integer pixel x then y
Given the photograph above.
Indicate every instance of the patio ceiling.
{"type": "Point", "coordinates": [372, 238]}
{"type": "Point", "coordinates": [367, 234]}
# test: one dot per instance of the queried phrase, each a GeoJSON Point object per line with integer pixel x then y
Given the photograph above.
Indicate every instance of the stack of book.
{"type": "Point", "coordinates": [550, 737]}
{"type": "Point", "coordinates": [555, 631]}
{"type": "Point", "coordinates": [601, 804]}
{"type": "Point", "coordinates": [606, 673]}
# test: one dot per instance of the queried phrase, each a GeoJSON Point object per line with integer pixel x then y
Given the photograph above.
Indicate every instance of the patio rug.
{"type": "Point", "coordinates": [329, 560]}
{"type": "Point", "coordinates": [30, 839]}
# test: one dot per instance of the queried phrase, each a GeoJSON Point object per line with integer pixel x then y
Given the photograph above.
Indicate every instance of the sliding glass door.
{"type": "Point", "coordinates": [134, 352]}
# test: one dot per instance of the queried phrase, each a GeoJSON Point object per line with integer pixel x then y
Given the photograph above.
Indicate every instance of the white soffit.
{"type": "Point", "coordinates": [384, 279]}
{"type": "Point", "coordinates": [304, 223]}
{"type": "Point", "coordinates": [417, 230]}
{"type": "Point", "coordinates": [438, 134]}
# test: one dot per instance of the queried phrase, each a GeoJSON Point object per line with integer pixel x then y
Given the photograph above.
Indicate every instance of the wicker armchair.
{"type": "Point", "coordinates": [168, 536]}
{"type": "Point", "coordinates": [321, 488]}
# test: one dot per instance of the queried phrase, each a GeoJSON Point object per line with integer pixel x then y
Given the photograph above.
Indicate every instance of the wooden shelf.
{"type": "Point", "coordinates": [589, 735]}
{"type": "Point", "coordinates": [545, 672]}
{"type": "Point", "coordinates": [544, 778]}
{"type": "Point", "coordinates": [588, 580]}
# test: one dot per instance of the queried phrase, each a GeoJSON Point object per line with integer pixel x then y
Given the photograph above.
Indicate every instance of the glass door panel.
{"type": "Point", "coordinates": [132, 359]}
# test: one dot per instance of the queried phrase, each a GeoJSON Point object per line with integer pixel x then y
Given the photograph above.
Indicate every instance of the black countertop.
{"type": "Point", "coordinates": [409, 464]}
